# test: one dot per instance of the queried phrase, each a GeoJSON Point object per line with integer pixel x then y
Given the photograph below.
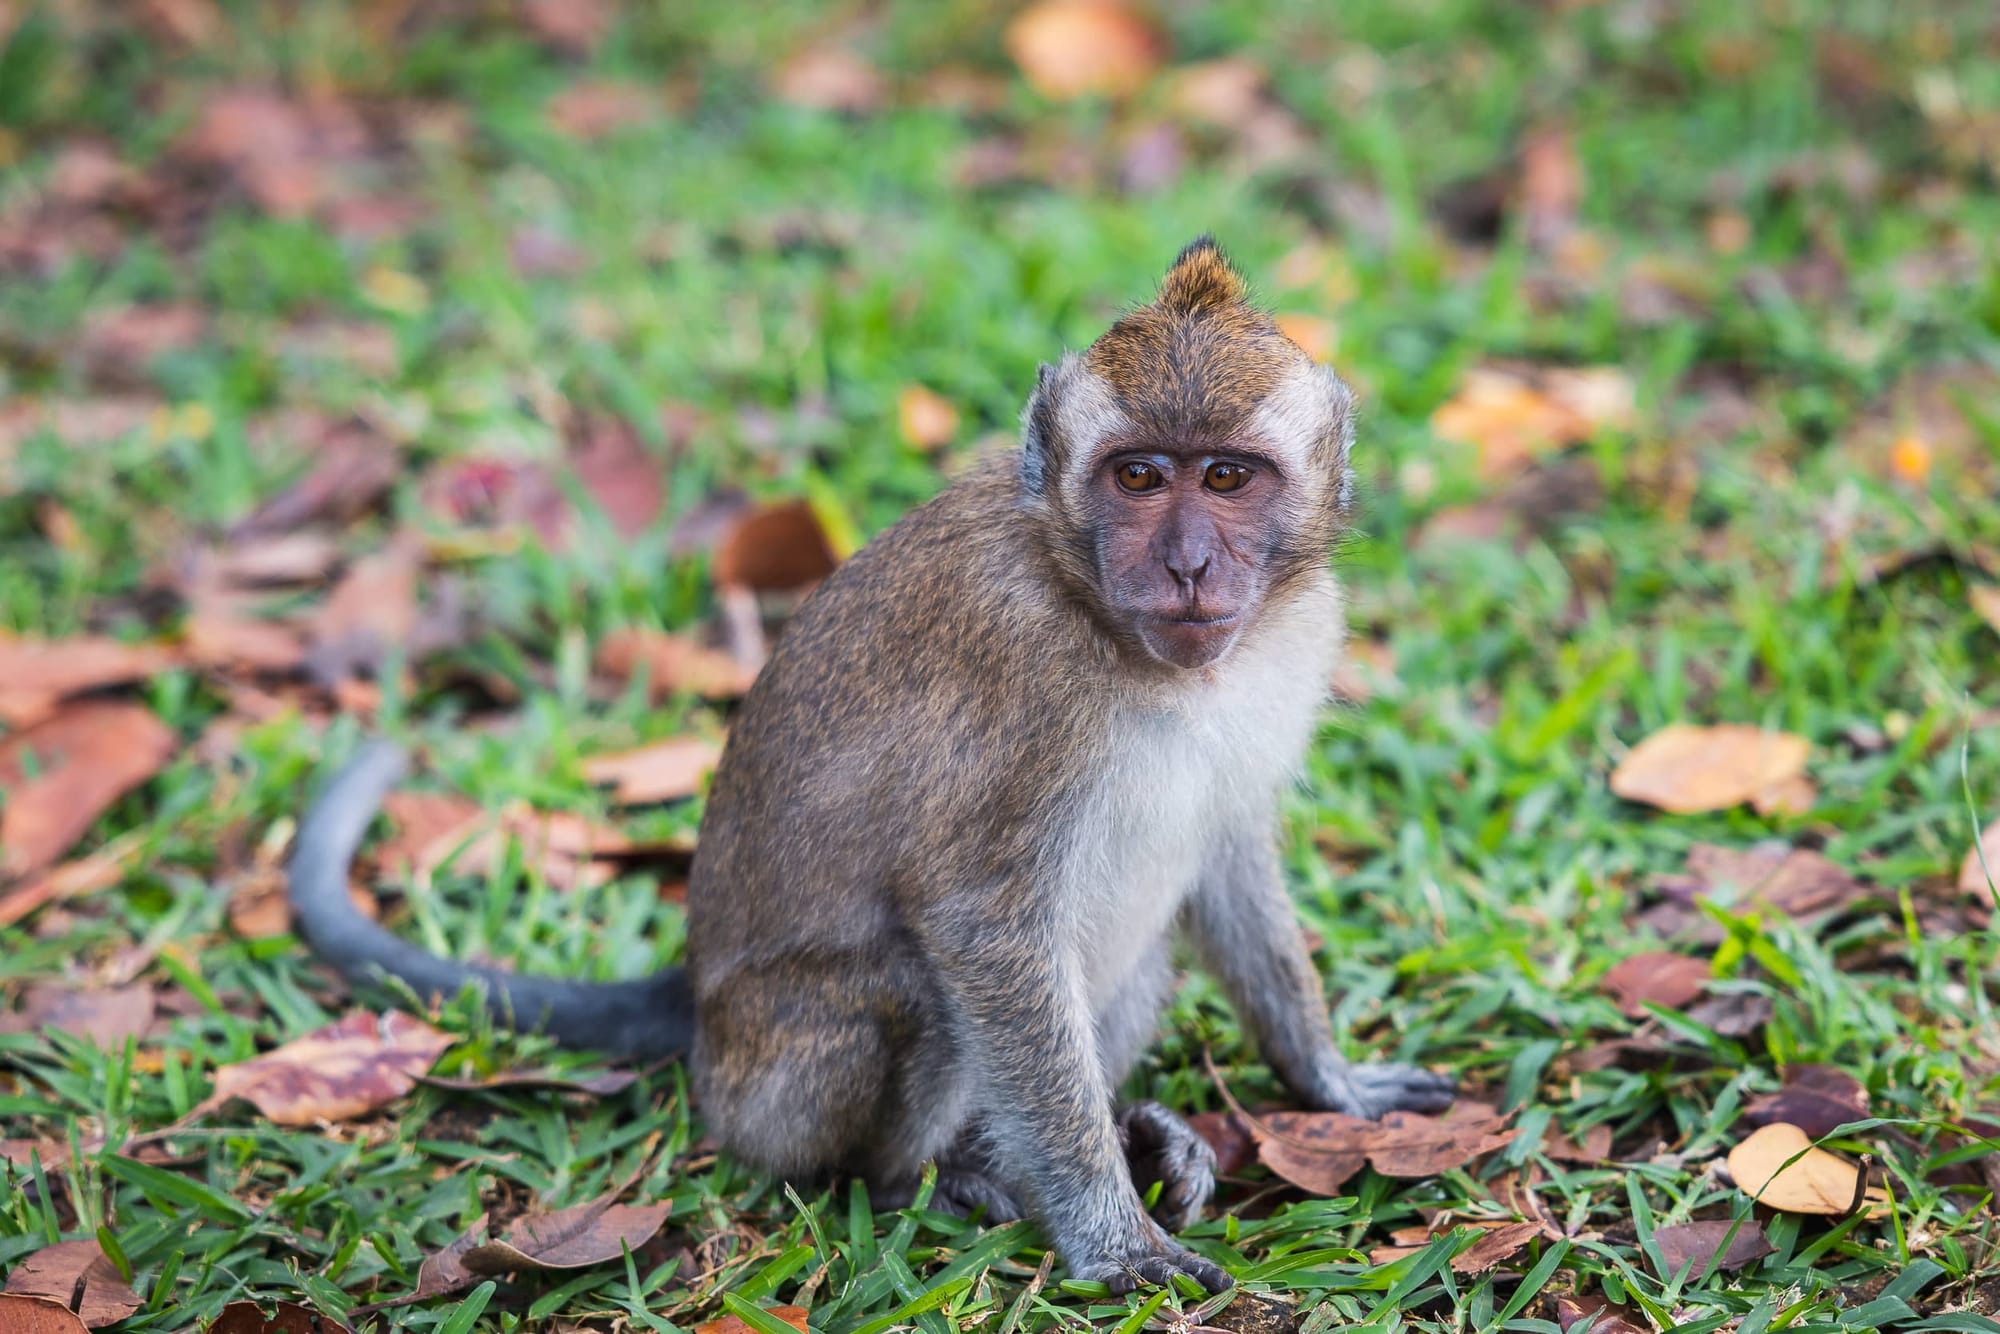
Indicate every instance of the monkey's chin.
{"type": "Point", "coordinates": [1189, 643]}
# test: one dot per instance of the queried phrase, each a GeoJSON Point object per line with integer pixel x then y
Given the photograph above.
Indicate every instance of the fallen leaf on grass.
{"type": "Point", "coordinates": [285, 1318]}
{"type": "Point", "coordinates": [443, 1272]}
{"type": "Point", "coordinates": [577, 26]}
{"type": "Point", "coordinates": [1577, 1314]}
{"type": "Point", "coordinates": [774, 549]}
{"type": "Point", "coordinates": [1973, 877]}
{"type": "Point", "coordinates": [1510, 416]}
{"type": "Point", "coordinates": [567, 850]}
{"type": "Point", "coordinates": [664, 771]}
{"type": "Point", "coordinates": [1319, 1151]}
{"type": "Point", "coordinates": [23, 1153]}
{"type": "Point", "coordinates": [830, 78]}
{"type": "Point", "coordinates": [1686, 769]}
{"type": "Point", "coordinates": [83, 759]}
{"type": "Point", "coordinates": [79, 1275]}
{"type": "Point", "coordinates": [596, 108]}
{"type": "Point", "coordinates": [1593, 1147]}
{"type": "Point", "coordinates": [345, 1070]}
{"type": "Point", "coordinates": [74, 879]}
{"type": "Point", "coordinates": [926, 418]}
{"type": "Point", "coordinates": [1770, 877]}
{"type": "Point", "coordinates": [1497, 1242]}
{"type": "Point", "coordinates": [21, 1314]}
{"type": "Point", "coordinates": [1986, 601]}
{"type": "Point", "coordinates": [37, 673]}
{"type": "Point", "coordinates": [573, 1238]}
{"type": "Point", "coordinates": [617, 472]}
{"type": "Point", "coordinates": [370, 615]}
{"type": "Point", "coordinates": [1657, 977]}
{"type": "Point", "coordinates": [731, 1323]}
{"type": "Point", "coordinates": [106, 1016]}
{"type": "Point", "coordinates": [1818, 1099]}
{"type": "Point", "coordinates": [221, 632]}
{"type": "Point", "coordinates": [673, 663]}
{"type": "Point", "coordinates": [1699, 1243]}
{"type": "Point", "coordinates": [352, 471]}
{"type": "Point", "coordinates": [1794, 796]}
{"type": "Point", "coordinates": [1078, 48]}
{"type": "Point", "coordinates": [259, 910]}
{"type": "Point", "coordinates": [1817, 1183]}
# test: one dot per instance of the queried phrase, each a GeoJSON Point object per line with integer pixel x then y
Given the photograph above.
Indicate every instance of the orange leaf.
{"type": "Point", "coordinates": [928, 420]}
{"type": "Point", "coordinates": [664, 771]}
{"type": "Point", "coordinates": [1078, 48]}
{"type": "Point", "coordinates": [1818, 1182]}
{"type": "Point", "coordinates": [84, 759]}
{"type": "Point", "coordinates": [1687, 769]}
{"type": "Point", "coordinates": [795, 1316]}
{"type": "Point", "coordinates": [74, 1273]}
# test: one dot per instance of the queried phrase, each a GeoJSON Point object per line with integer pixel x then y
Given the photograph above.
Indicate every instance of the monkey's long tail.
{"type": "Point", "coordinates": [649, 1019]}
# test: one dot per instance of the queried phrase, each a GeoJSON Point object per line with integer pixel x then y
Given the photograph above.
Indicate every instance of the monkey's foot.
{"type": "Point", "coordinates": [1370, 1091]}
{"type": "Point", "coordinates": [1155, 1260]}
{"type": "Point", "coordinates": [1161, 1147]}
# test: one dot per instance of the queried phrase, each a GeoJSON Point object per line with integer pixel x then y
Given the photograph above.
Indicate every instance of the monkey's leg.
{"type": "Point", "coordinates": [1242, 920]}
{"type": "Point", "coordinates": [1046, 1106]}
{"type": "Point", "coordinates": [1160, 1146]}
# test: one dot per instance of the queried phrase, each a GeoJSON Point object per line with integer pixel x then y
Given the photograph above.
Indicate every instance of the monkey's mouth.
{"type": "Point", "coordinates": [1188, 641]}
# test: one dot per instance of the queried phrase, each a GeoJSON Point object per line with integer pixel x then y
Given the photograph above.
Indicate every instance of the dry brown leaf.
{"type": "Point", "coordinates": [1227, 92]}
{"type": "Point", "coordinates": [731, 1323]}
{"type": "Point", "coordinates": [1796, 795]}
{"type": "Point", "coordinates": [223, 633]}
{"type": "Point", "coordinates": [1687, 769]}
{"type": "Point", "coordinates": [429, 826]}
{"type": "Point", "coordinates": [618, 473]}
{"type": "Point", "coordinates": [88, 874]}
{"type": "Point", "coordinates": [1657, 977]}
{"type": "Point", "coordinates": [927, 418]}
{"type": "Point", "coordinates": [1512, 416]}
{"type": "Point", "coordinates": [664, 771]}
{"type": "Point", "coordinates": [576, 26]}
{"type": "Point", "coordinates": [830, 78]}
{"type": "Point", "coordinates": [1818, 1099]}
{"type": "Point", "coordinates": [673, 663]}
{"type": "Point", "coordinates": [284, 1318]}
{"type": "Point", "coordinates": [259, 910]}
{"type": "Point", "coordinates": [24, 1153]}
{"type": "Point", "coordinates": [298, 556]}
{"type": "Point", "coordinates": [80, 1276]}
{"type": "Point", "coordinates": [20, 1314]}
{"type": "Point", "coordinates": [1551, 185]}
{"type": "Point", "coordinates": [1698, 1243]}
{"type": "Point", "coordinates": [1497, 1242]}
{"type": "Point", "coordinates": [1972, 876]}
{"type": "Point", "coordinates": [774, 549]}
{"type": "Point", "coordinates": [370, 615]}
{"type": "Point", "coordinates": [1818, 1183]}
{"type": "Point", "coordinates": [1577, 1313]}
{"type": "Point", "coordinates": [596, 108]}
{"type": "Point", "coordinates": [1411, 1145]}
{"type": "Point", "coordinates": [1796, 882]}
{"type": "Point", "coordinates": [1319, 1151]}
{"type": "Point", "coordinates": [353, 469]}
{"type": "Point", "coordinates": [1225, 1133]}
{"type": "Point", "coordinates": [1986, 601]}
{"type": "Point", "coordinates": [573, 1238]}
{"type": "Point", "coordinates": [1079, 48]}
{"type": "Point", "coordinates": [106, 1015]}
{"type": "Point", "coordinates": [37, 673]}
{"type": "Point", "coordinates": [83, 760]}
{"type": "Point", "coordinates": [349, 1068]}
{"type": "Point", "coordinates": [1594, 1147]}
{"type": "Point", "coordinates": [1316, 1151]}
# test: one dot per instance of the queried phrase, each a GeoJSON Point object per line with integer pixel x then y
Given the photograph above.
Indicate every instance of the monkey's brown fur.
{"type": "Point", "coordinates": [991, 765]}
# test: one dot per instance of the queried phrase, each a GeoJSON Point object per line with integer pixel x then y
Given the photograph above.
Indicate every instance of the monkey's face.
{"type": "Point", "coordinates": [1183, 544]}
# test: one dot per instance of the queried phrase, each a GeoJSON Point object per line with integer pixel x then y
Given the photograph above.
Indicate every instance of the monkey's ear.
{"type": "Point", "coordinates": [1037, 427]}
{"type": "Point", "coordinates": [1202, 278]}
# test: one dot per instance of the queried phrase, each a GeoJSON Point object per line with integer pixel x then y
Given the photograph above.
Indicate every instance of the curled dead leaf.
{"type": "Point", "coordinates": [1079, 48]}
{"type": "Point", "coordinates": [80, 1276]}
{"type": "Point", "coordinates": [1718, 1243]}
{"type": "Point", "coordinates": [1818, 1099]}
{"type": "Point", "coordinates": [664, 771]}
{"type": "Point", "coordinates": [1497, 1242]}
{"type": "Point", "coordinates": [1779, 1166]}
{"type": "Point", "coordinates": [61, 774]}
{"type": "Point", "coordinates": [1578, 1313]}
{"type": "Point", "coordinates": [1687, 769]}
{"type": "Point", "coordinates": [774, 549]}
{"type": "Point", "coordinates": [731, 1323]}
{"type": "Point", "coordinates": [347, 1069]}
{"type": "Point", "coordinates": [573, 1238]}
{"type": "Point", "coordinates": [284, 1318]}
{"type": "Point", "coordinates": [1657, 977]}
{"type": "Point", "coordinates": [673, 663]}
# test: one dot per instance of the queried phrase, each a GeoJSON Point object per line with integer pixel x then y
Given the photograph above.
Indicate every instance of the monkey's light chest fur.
{"type": "Point", "coordinates": [1187, 768]}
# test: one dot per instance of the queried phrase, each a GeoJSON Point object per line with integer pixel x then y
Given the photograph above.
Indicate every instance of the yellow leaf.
{"type": "Point", "coordinates": [1818, 1182]}
{"type": "Point", "coordinates": [1687, 769]}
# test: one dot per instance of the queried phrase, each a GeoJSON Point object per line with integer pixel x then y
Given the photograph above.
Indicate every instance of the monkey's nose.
{"type": "Point", "coordinates": [1187, 568]}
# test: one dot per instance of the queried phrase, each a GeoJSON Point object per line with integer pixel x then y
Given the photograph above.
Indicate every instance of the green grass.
{"type": "Point", "coordinates": [783, 274]}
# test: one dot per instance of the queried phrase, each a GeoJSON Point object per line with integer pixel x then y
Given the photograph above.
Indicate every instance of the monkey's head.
{"type": "Point", "coordinates": [1190, 464]}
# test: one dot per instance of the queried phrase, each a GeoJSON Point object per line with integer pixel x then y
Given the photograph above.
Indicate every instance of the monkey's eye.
{"type": "Point", "coordinates": [1136, 476]}
{"type": "Point", "coordinates": [1225, 476]}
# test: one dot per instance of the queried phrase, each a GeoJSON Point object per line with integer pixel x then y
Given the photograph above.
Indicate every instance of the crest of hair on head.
{"type": "Point", "coordinates": [1202, 279]}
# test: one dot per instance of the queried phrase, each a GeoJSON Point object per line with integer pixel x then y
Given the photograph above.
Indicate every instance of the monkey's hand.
{"type": "Point", "coordinates": [1152, 1257]}
{"type": "Point", "coordinates": [1162, 1147]}
{"type": "Point", "coordinates": [1372, 1091]}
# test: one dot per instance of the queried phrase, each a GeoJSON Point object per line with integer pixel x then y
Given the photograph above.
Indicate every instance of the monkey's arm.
{"type": "Point", "coordinates": [1242, 921]}
{"type": "Point", "coordinates": [1046, 1110]}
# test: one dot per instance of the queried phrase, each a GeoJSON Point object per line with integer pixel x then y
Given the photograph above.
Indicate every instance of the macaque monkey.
{"type": "Point", "coordinates": [993, 764]}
